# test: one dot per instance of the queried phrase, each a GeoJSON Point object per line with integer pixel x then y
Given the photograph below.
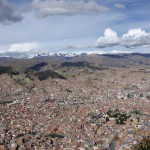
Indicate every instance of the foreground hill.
{"type": "Point", "coordinates": [87, 101]}
{"type": "Point", "coordinates": [74, 105]}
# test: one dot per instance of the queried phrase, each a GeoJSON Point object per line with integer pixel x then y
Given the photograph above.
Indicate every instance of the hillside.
{"type": "Point", "coordinates": [134, 60]}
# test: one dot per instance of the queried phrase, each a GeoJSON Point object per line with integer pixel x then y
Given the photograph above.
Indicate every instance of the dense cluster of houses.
{"type": "Point", "coordinates": [103, 110]}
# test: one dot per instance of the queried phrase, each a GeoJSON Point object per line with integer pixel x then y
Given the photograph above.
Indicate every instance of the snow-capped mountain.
{"type": "Point", "coordinates": [59, 54]}
{"type": "Point", "coordinates": [43, 54]}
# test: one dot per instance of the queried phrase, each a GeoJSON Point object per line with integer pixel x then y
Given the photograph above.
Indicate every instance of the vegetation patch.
{"type": "Point", "coordinates": [120, 117]}
{"type": "Point", "coordinates": [43, 75]}
{"type": "Point", "coordinates": [5, 69]}
{"type": "Point", "coordinates": [144, 144]}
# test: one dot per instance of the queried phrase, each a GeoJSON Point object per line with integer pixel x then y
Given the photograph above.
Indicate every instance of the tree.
{"type": "Point", "coordinates": [144, 144]}
{"type": "Point", "coordinates": [107, 118]}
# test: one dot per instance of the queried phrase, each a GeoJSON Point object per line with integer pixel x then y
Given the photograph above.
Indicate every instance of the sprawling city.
{"type": "Point", "coordinates": [74, 105]}
{"type": "Point", "coordinates": [74, 75]}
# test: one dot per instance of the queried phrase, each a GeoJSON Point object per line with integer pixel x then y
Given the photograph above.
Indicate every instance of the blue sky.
{"type": "Point", "coordinates": [75, 25]}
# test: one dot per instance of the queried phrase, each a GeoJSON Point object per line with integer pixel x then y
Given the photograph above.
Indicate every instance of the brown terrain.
{"type": "Point", "coordinates": [87, 102]}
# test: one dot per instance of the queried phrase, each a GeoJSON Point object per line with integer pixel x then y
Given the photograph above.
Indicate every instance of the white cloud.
{"type": "Point", "coordinates": [119, 6]}
{"type": "Point", "coordinates": [119, 51]}
{"type": "Point", "coordinates": [109, 39]}
{"type": "Point", "coordinates": [65, 7]}
{"type": "Point", "coordinates": [23, 47]}
{"type": "Point", "coordinates": [133, 38]}
{"type": "Point", "coordinates": [8, 12]}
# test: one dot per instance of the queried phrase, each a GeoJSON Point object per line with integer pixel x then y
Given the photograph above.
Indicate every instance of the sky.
{"type": "Point", "coordinates": [101, 26]}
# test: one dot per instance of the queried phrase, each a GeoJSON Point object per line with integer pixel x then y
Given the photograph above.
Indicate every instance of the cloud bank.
{"type": "Point", "coordinates": [8, 12]}
{"type": "Point", "coordinates": [133, 38]}
{"type": "Point", "coordinates": [44, 8]}
{"type": "Point", "coordinates": [23, 47]}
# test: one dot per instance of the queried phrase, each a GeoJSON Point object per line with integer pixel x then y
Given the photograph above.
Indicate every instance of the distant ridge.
{"type": "Point", "coordinates": [29, 55]}
{"type": "Point", "coordinates": [137, 60]}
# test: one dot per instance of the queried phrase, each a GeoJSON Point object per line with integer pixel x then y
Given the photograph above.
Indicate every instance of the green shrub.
{"type": "Point", "coordinates": [144, 144]}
